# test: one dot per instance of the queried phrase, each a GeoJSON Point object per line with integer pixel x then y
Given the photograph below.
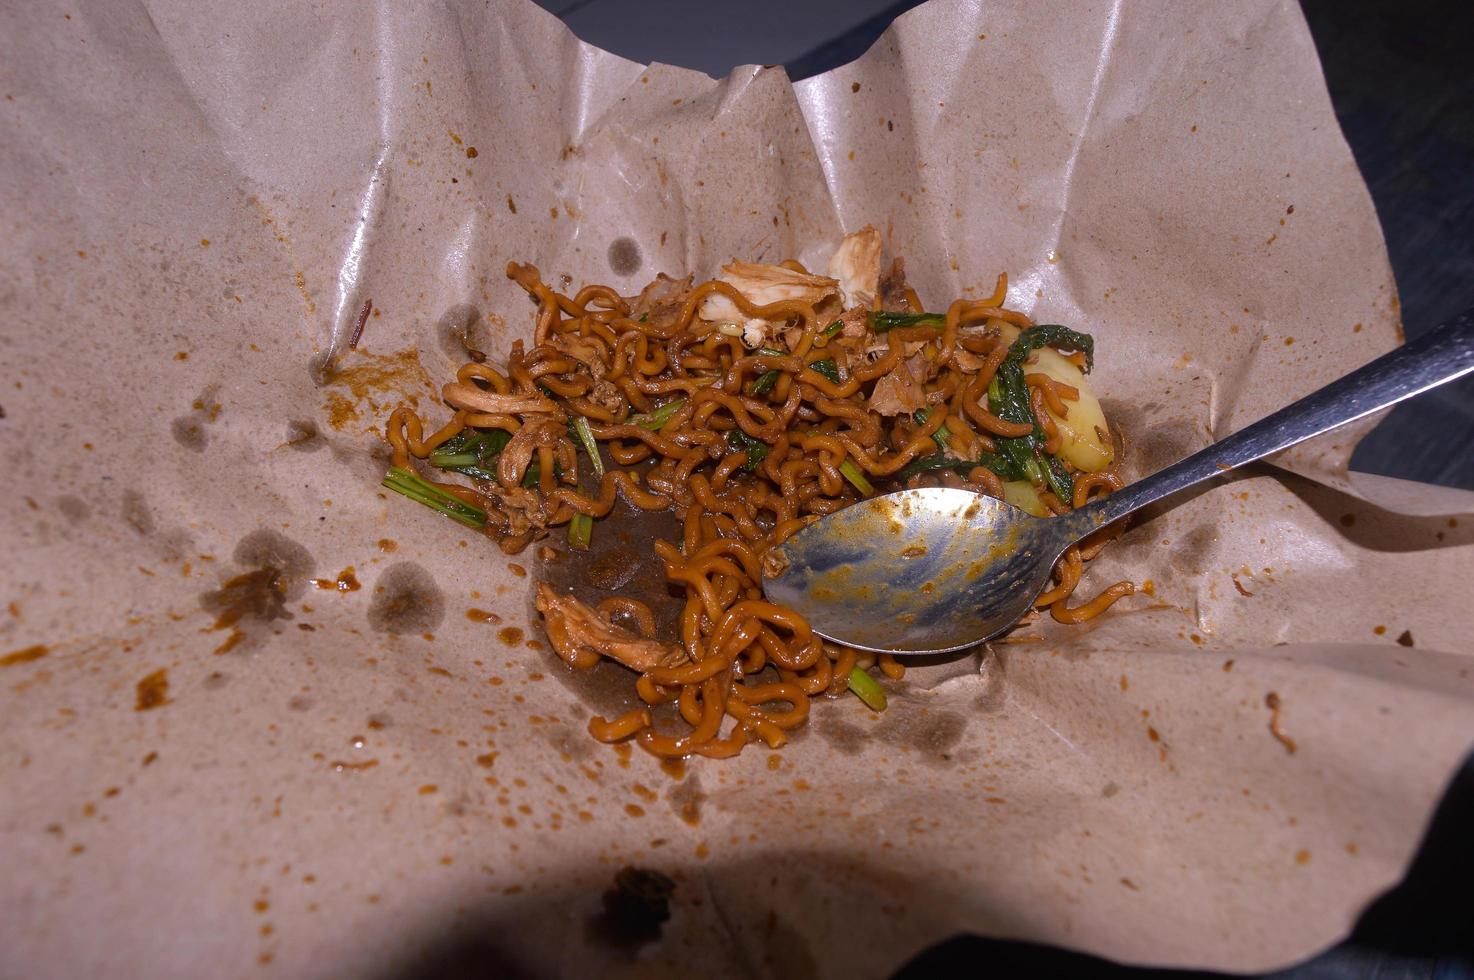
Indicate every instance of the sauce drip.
{"type": "Point", "coordinates": [346, 581]}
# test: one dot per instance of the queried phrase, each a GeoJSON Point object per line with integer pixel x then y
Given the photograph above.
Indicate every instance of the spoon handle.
{"type": "Point", "coordinates": [1436, 357]}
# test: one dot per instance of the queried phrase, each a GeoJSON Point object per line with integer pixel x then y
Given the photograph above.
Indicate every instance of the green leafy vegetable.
{"type": "Point", "coordinates": [472, 452]}
{"type": "Point", "coordinates": [851, 472]}
{"type": "Point", "coordinates": [941, 461]}
{"type": "Point", "coordinates": [942, 434]}
{"type": "Point", "coordinates": [417, 489]}
{"type": "Point", "coordinates": [580, 531]}
{"type": "Point", "coordinates": [656, 419]}
{"type": "Point", "coordinates": [827, 368]}
{"type": "Point", "coordinates": [756, 449]}
{"type": "Point", "coordinates": [1008, 398]}
{"type": "Point", "coordinates": [867, 689]}
{"type": "Point", "coordinates": [833, 328]}
{"type": "Point", "coordinates": [764, 383]}
{"type": "Point", "coordinates": [767, 379]}
{"type": "Point", "coordinates": [882, 322]}
{"type": "Point", "coordinates": [1056, 336]}
{"type": "Point", "coordinates": [934, 462]}
{"type": "Point", "coordinates": [579, 429]}
{"type": "Point", "coordinates": [1059, 479]}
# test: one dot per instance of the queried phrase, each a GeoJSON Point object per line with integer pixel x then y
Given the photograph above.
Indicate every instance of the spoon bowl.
{"type": "Point", "coordinates": [918, 571]}
{"type": "Point", "coordinates": [935, 570]}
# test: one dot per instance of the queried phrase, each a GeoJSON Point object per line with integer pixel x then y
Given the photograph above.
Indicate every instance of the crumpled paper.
{"type": "Point", "coordinates": [204, 775]}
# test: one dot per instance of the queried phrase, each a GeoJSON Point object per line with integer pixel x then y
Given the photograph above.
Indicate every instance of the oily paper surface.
{"type": "Point", "coordinates": [199, 198]}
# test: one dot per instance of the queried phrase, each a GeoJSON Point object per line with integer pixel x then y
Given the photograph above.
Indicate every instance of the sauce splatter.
{"type": "Point", "coordinates": [25, 655]}
{"type": "Point", "coordinates": [370, 378]}
{"type": "Point", "coordinates": [231, 641]}
{"type": "Point", "coordinates": [153, 691]}
{"type": "Point", "coordinates": [339, 766]}
{"type": "Point", "coordinates": [346, 581]}
{"type": "Point", "coordinates": [259, 594]}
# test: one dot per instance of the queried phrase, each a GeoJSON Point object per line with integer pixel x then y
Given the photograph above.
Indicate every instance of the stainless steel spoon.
{"type": "Point", "coordinates": [936, 570]}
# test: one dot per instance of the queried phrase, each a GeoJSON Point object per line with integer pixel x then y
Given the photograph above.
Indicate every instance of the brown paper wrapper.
{"type": "Point", "coordinates": [205, 776]}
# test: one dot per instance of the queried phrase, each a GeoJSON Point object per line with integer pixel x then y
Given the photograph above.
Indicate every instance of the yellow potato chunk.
{"type": "Point", "coordinates": [1021, 494]}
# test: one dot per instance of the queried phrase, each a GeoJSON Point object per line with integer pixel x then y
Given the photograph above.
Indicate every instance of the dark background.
{"type": "Point", "coordinates": [1401, 77]}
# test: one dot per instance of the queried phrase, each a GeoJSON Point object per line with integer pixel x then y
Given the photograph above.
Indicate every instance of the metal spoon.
{"type": "Point", "coordinates": [937, 570]}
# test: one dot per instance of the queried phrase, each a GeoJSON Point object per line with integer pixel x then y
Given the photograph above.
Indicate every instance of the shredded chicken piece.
{"type": "Point", "coordinates": [535, 434]}
{"type": "Point", "coordinates": [760, 285]}
{"type": "Point", "coordinates": [518, 512]}
{"type": "Point", "coordinates": [586, 352]}
{"type": "Point", "coordinates": [573, 628]}
{"type": "Point", "coordinates": [606, 394]}
{"type": "Point", "coordinates": [922, 368]}
{"type": "Point", "coordinates": [968, 361]}
{"type": "Point", "coordinates": [661, 301]}
{"type": "Point", "coordinates": [881, 343]}
{"type": "Point", "coordinates": [898, 393]}
{"type": "Point", "coordinates": [855, 321]}
{"type": "Point", "coordinates": [464, 394]}
{"type": "Point", "coordinates": [526, 511]}
{"type": "Point", "coordinates": [856, 264]}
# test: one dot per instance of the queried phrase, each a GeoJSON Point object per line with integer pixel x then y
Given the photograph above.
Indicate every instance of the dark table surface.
{"type": "Point", "coordinates": [1401, 77]}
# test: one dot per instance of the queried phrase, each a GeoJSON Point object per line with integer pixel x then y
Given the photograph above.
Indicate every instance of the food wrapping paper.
{"type": "Point", "coordinates": [202, 776]}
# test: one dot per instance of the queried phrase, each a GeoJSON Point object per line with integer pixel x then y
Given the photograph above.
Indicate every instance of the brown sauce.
{"type": "Point", "coordinates": [25, 655]}
{"type": "Point", "coordinates": [346, 581]}
{"type": "Point", "coordinates": [259, 594]}
{"type": "Point", "coordinates": [153, 691]}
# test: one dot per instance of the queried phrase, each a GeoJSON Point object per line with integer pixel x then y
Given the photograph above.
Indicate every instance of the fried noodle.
{"type": "Point", "coordinates": [749, 404]}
